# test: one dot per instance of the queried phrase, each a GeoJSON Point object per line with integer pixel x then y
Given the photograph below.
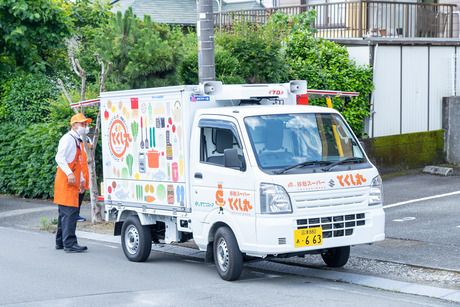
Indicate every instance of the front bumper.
{"type": "Point", "coordinates": [275, 234]}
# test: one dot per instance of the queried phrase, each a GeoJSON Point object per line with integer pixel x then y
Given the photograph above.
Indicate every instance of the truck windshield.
{"type": "Point", "coordinates": [282, 142]}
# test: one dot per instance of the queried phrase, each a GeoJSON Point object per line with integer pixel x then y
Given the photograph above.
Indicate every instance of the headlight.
{"type": "Point", "coordinates": [376, 193]}
{"type": "Point", "coordinates": [274, 199]}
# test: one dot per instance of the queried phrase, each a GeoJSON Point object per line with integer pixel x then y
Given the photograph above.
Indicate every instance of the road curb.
{"type": "Point", "coordinates": [352, 278]}
{"type": "Point", "coordinates": [18, 212]}
{"type": "Point", "coordinates": [438, 170]}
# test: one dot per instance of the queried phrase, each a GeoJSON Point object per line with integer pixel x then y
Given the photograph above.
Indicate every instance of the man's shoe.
{"type": "Point", "coordinates": [59, 246]}
{"type": "Point", "coordinates": [75, 249]}
{"type": "Point", "coordinates": [81, 219]}
{"type": "Point", "coordinates": [82, 247]}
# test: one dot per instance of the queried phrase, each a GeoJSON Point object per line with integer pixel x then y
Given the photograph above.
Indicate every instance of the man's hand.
{"type": "Point", "coordinates": [71, 179]}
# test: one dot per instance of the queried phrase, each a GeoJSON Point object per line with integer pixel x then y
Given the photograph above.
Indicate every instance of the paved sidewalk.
{"type": "Point", "coordinates": [28, 213]}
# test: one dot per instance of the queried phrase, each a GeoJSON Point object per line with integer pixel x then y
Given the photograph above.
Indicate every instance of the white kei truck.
{"type": "Point", "coordinates": [241, 169]}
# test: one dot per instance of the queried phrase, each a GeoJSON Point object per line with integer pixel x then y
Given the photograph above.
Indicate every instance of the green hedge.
{"type": "Point", "coordinates": [27, 166]}
{"type": "Point", "coordinates": [25, 98]}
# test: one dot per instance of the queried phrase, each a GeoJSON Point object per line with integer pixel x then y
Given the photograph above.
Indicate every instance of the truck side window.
{"type": "Point", "coordinates": [214, 141]}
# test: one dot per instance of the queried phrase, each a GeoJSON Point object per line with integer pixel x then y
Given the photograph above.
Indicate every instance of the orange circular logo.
{"type": "Point", "coordinates": [119, 138]}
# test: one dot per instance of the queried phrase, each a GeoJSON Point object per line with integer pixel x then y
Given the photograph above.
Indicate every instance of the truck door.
{"type": "Point", "coordinates": [220, 192]}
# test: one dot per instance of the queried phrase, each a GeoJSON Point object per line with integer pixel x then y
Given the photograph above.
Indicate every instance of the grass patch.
{"type": "Point", "coordinates": [47, 224]}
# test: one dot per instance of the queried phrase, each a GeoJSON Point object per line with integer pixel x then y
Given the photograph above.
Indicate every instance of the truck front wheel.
{"type": "Point", "coordinates": [336, 257]}
{"type": "Point", "coordinates": [227, 254]}
{"type": "Point", "coordinates": [136, 239]}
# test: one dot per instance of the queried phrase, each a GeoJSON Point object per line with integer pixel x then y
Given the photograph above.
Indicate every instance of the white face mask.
{"type": "Point", "coordinates": [83, 130]}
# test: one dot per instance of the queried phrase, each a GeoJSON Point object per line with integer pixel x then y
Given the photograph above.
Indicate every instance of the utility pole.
{"type": "Point", "coordinates": [205, 32]}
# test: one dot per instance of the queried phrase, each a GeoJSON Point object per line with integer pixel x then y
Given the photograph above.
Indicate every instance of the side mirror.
{"type": "Point", "coordinates": [231, 158]}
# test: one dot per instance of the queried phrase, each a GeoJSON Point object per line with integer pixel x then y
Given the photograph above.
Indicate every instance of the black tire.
{"type": "Point", "coordinates": [336, 257]}
{"type": "Point", "coordinates": [227, 255]}
{"type": "Point", "coordinates": [136, 239]}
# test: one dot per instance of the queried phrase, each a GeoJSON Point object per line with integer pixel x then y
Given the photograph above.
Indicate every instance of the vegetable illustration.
{"type": "Point", "coordinates": [135, 129]}
{"type": "Point", "coordinates": [129, 162]}
{"type": "Point", "coordinates": [124, 172]}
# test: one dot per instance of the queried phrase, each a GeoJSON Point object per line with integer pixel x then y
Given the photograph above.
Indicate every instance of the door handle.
{"type": "Point", "coordinates": [199, 175]}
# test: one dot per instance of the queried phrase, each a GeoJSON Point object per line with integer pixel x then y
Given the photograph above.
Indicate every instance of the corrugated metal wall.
{"type": "Point", "coordinates": [410, 82]}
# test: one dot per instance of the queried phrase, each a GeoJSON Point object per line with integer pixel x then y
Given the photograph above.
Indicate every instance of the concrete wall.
{"type": "Point", "coordinates": [451, 124]}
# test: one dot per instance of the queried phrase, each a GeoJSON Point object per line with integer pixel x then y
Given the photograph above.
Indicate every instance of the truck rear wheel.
{"type": "Point", "coordinates": [336, 257]}
{"type": "Point", "coordinates": [136, 240]}
{"type": "Point", "coordinates": [227, 255]}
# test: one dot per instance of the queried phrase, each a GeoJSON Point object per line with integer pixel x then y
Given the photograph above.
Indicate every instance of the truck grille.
{"type": "Point", "coordinates": [334, 226]}
{"type": "Point", "coordinates": [321, 199]}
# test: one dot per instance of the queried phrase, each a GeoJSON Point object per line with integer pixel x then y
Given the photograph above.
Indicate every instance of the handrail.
{"type": "Point", "coordinates": [357, 19]}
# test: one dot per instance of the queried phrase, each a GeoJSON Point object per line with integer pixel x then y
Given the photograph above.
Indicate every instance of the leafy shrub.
{"type": "Point", "coordinates": [27, 166]}
{"type": "Point", "coordinates": [226, 67]}
{"type": "Point", "coordinates": [326, 65]}
{"type": "Point", "coordinates": [259, 52]}
{"type": "Point", "coordinates": [25, 98]}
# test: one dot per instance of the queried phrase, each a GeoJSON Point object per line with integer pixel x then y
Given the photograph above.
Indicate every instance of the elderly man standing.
{"type": "Point", "coordinates": [70, 182]}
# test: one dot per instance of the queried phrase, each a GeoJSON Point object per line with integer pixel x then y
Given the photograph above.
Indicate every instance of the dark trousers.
{"type": "Point", "coordinates": [67, 224]}
{"type": "Point", "coordinates": [80, 201]}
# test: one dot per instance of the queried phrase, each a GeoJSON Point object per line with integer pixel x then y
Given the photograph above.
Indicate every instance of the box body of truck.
{"type": "Point", "coordinates": [236, 165]}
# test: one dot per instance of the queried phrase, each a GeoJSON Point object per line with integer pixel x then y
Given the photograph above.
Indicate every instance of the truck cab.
{"type": "Point", "coordinates": [279, 178]}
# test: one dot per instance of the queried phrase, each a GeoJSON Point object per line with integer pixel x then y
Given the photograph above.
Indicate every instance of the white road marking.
{"type": "Point", "coordinates": [111, 246]}
{"type": "Point", "coordinates": [421, 199]}
{"type": "Point", "coordinates": [405, 219]}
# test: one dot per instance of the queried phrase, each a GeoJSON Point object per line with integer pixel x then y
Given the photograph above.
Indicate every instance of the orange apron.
{"type": "Point", "coordinates": [84, 166]}
{"type": "Point", "coordinates": [64, 193]}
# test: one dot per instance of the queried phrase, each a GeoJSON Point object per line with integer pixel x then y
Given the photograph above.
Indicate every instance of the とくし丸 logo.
{"type": "Point", "coordinates": [119, 138]}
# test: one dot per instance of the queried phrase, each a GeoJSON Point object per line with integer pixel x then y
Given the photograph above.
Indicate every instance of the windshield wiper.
{"type": "Point", "coordinates": [302, 164]}
{"type": "Point", "coordinates": [347, 160]}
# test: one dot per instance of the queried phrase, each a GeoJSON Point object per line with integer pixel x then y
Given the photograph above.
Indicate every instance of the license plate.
{"type": "Point", "coordinates": [308, 237]}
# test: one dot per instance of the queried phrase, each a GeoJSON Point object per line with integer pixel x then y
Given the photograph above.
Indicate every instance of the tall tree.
{"type": "Point", "coordinates": [31, 32]}
{"type": "Point", "coordinates": [143, 53]}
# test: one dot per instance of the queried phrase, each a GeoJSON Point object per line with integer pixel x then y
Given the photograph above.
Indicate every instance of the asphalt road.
{"type": "Point", "coordinates": [403, 188]}
{"type": "Point", "coordinates": [34, 274]}
{"type": "Point", "coordinates": [422, 234]}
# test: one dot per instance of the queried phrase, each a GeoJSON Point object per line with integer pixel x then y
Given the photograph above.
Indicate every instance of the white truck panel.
{"type": "Point", "coordinates": [144, 151]}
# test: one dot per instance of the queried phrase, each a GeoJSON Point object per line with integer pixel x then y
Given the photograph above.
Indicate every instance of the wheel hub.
{"type": "Point", "coordinates": [132, 240]}
{"type": "Point", "coordinates": [222, 255]}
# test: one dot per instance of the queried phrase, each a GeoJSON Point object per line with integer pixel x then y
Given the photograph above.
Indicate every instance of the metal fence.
{"type": "Point", "coordinates": [355, 19]}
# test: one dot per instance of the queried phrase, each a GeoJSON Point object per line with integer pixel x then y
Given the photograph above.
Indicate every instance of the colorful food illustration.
{"type": "Point", "coordinates": [161, 192]}
{"type": "Point", "coordinates": [129, 162]}
{"type": "Point", "coordinates": [175, 172]}
{"type": "Point", "coordinates": [125, 173]}
{"type": "Point", "coordinates": [134, 129]}
{"type": "Point", "coordinates": [139, 192]}
{"type": "Point", "coordinates": [153, 157]}
{"type": "Point", "coordinates": [170, 194]}
{"type": "Point", "coordinates": [147, 157]}
{"type": "Point", "coordinates": [180, 193]}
